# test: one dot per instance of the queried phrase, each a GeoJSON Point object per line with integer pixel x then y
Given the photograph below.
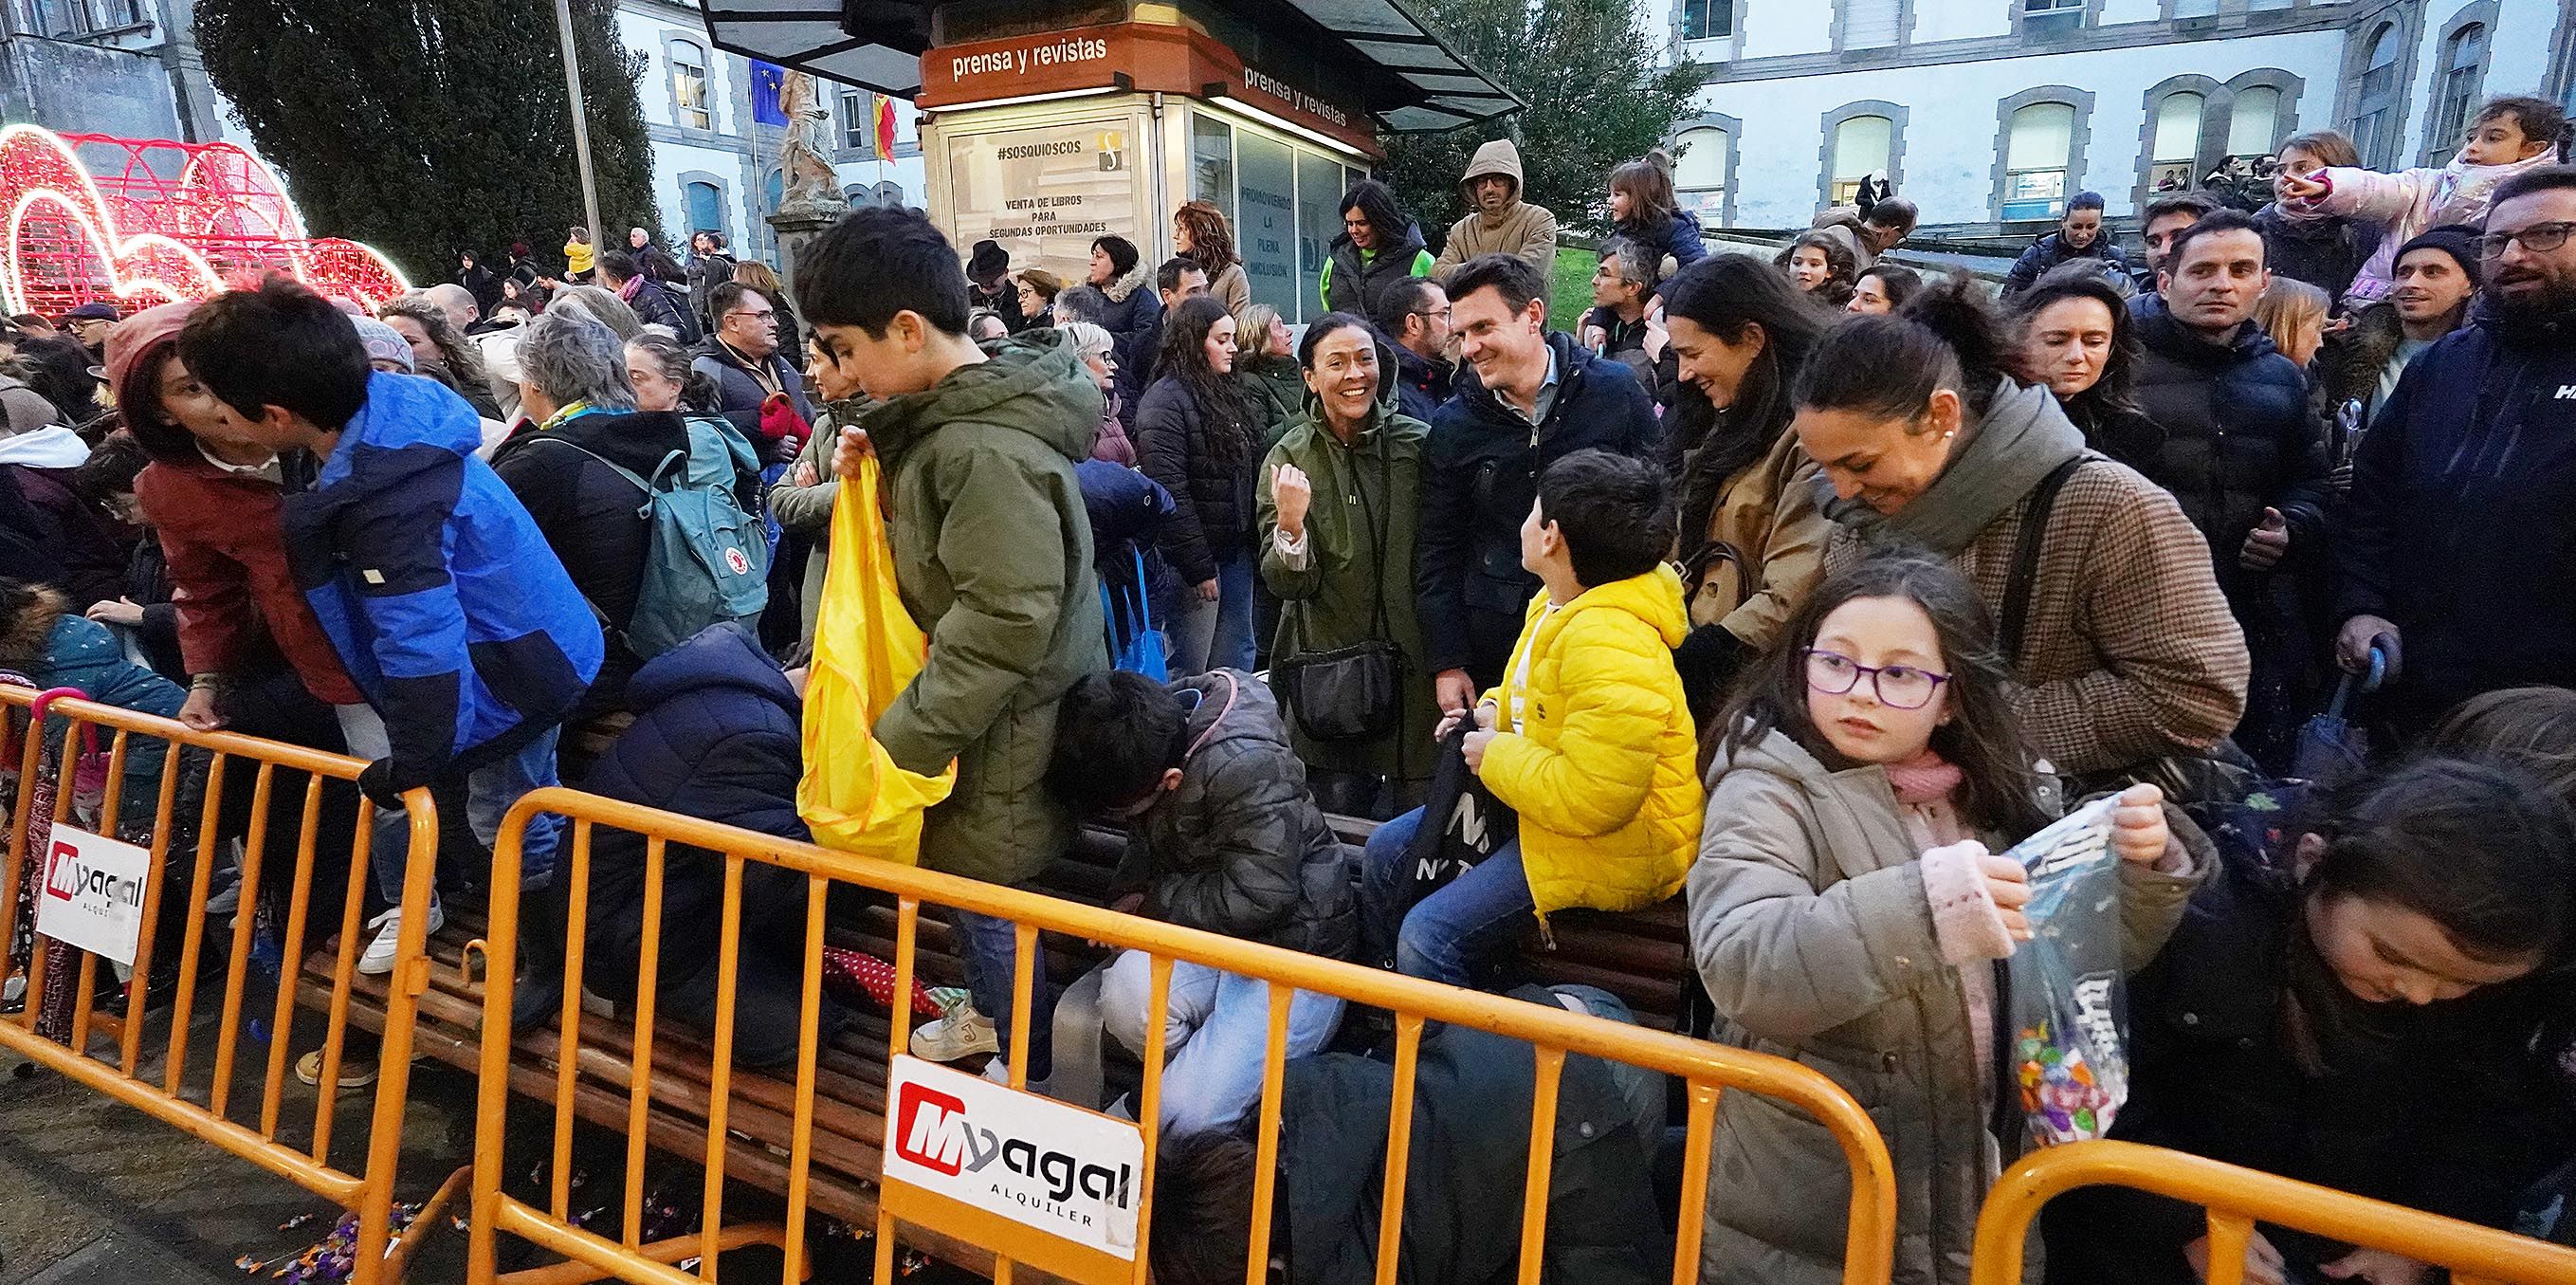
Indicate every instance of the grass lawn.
{"type": "Point", "coordinates": [1572, 292]}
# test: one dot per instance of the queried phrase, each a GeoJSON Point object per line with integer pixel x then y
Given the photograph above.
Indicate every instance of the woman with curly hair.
{"type": "Point", "coordinates": [1823, 265]}
{"type": "Point", "coordinates": [440, 352]}
{"type": "Point", "coordinates": [1199, 231]}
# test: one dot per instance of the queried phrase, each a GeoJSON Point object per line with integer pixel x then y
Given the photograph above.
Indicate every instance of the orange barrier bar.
{"type": "Point", "coordinates": [2236, 1199]}
{"type": "Point", "coordinates": [370, 1192]}
{"type": "Point", "coordinates": [686, 1105]}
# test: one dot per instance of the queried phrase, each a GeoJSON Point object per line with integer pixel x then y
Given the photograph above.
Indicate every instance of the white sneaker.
{"type": "Point", "coordinates": [962, 1034]}
{"type": "Point", "coordinates": [379, 958]}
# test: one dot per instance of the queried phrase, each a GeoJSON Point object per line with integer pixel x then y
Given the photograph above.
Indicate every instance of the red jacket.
{"type": "Point", "coordinates": [229, 577]}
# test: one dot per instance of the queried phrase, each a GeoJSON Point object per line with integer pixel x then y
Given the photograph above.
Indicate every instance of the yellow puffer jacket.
{"type": "Point", "coordinates": [1604, 774]}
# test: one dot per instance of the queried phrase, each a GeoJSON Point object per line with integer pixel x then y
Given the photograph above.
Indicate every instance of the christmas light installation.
{"type": "Point", "coordinates": [174, 221]}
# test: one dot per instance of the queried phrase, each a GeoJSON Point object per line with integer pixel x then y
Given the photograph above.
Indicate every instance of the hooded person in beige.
{"type": "Point", "coordinates": [1499, 222]}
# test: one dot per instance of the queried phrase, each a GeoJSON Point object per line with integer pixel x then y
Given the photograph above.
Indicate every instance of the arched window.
{"type": "Point", "coordinates": [1699, 171]}
{"type": "Point", "coordinates": [2255, 124]}
{"type": "Point", "coordinates": [2455, 90]}
{"type": "Point", "coordinates": [2374, 111]}
{"type": "Point", "coordinates": [689, 86]}
{"type": "Point", "coordinates": [2177, 144]}
{"type": "Point", "coordinates": [704, 203]}
{"type": "Point", "coordinates": [1862, 145]}
{"type": "Point", "coordinates": [2040, 141]}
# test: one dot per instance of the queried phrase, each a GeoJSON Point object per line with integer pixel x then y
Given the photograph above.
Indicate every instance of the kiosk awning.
{"type": "Point", "coordinates": [1408, 79]}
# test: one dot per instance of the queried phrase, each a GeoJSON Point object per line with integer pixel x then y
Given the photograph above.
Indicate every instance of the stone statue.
{"type": "Point", "coordinates": [805, 153]}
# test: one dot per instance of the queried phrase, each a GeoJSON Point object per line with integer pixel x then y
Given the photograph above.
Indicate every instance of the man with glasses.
{"type": "Point", "coordinates": [1413, 314]}
{"type": "Point", "coordinates": [757, 388]}
{"type": "Point", "coordinates": [2459, 546]}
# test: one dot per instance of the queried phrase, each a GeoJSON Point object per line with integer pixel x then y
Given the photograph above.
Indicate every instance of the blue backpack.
{"type": "Point", "coordinates": [708, 560]}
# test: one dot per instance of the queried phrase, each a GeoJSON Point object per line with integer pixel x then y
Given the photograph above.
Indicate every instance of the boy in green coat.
{"type": "Point", "coordinates": [992, 555]}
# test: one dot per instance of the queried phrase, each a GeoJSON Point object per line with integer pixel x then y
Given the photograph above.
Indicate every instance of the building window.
{"type": "Point", "coordinates": [1872, 24]}
{"type": "Point", "coordinates": [2176, 162]}
{"type": "Point", "coordinates": [2046, 16]}
{"type": "Point", "coordinates": [2036, 154]}
{"type": "Point", "coordinates": [1708, 19]}
{"type": "Point", "coordinates": [704, 204]}
{"type": "Point", "coordinates": [858, 132]}
{"type": "Point", "coordinates": [689, 86]}
{"type": "Point", "coordinates": [2254, 123]}
{"type": "Point", "coordinates": [2374, 113]}
{"type": "Point", "coordinates": [2455, 92]}
{"type": "Point", "coordinates": [2194, 9]}
{"type": "Point", "coordinates": [1700, 171]}
{"type": "Point", "coordinates": [1862, 146]}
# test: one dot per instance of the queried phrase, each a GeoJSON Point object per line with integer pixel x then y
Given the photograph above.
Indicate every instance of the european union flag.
{"type": "Point", "coordinates": [767, 81]}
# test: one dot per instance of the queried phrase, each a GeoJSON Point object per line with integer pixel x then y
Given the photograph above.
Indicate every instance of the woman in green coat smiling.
{"type": "Point", "coordinates": [1340, 503]}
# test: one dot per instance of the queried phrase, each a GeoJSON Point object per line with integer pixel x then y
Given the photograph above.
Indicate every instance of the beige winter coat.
{"type": "Point", "coordinates": [1522, 228]}
{"type": "Point", "coordinates": [1810, 928]}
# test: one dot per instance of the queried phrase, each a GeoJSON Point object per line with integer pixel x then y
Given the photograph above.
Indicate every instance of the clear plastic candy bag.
{"type": "Point", "coordinates": [2068, 1058]}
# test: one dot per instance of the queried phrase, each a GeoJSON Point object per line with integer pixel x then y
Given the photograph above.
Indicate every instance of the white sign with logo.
{"type": "Point", "coordinates": [94, 894]}
{"type": "Point", "coordinates": [1062, 1170]}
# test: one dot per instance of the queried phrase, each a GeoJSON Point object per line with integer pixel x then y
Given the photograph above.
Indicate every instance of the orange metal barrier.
{"type": "Point", "coordinates": [557, 1060]}
{"type": "Point", "coordinates": [114, 1072]}
{"type": "Point", "coordinates": [2236, 1199]}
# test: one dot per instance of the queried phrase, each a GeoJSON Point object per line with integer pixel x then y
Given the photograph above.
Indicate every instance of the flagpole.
{"type": "Point", "coordinates": [580, 123]}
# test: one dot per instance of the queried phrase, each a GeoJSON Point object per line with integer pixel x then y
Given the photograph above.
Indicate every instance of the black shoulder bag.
{"type": "Point", "coordinates": [1353, 693]}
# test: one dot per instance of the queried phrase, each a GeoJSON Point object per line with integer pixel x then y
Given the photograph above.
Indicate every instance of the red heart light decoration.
{"type": "Point", "coordinates": [72, 235]}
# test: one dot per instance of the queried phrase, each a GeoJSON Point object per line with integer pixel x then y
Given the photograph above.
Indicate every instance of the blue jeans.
{"type": "Point", "coordinates": [1214, 635]}
{"type": "Point", "coordinates": [1445, 935]}
{"type": "Point", "coordinates": [490, 790]}
{"type": "Point", "coordinates": [1216, 1033]}
{"type": "Point", "coordinates": [989, 948]}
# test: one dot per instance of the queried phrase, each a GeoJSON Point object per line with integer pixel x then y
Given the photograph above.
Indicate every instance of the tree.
{"type": "Point", "coordinates": [423, 127]}
{"type": "Point", "coordinates": [1595, 95]}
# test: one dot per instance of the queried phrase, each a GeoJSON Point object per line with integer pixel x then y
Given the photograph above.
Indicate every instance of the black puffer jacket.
{"type": "Point", "coordinates": [2325, 253]}
{"type": "Point", "coordinates": [2052, 251]}
{"type": "Point", "coordinates": [2239, 436]}
{"type": "Point", "coordinates": [1421, 384]}
{"type": "Point", "coordinates": [1480, 478]}
{"type": "Point", "coordinates": [718, 734]}
{"type": "Point", "coordinates": [1358, 285]}
{"type": "Point", "coordinates": [1210, 479]}
{"type": "Point", "coordinates": [594, 519]}
{"type": "Point", "coordinates": [2445, 1107]}
{"type": "Point", "coordinates": [1239, 847]}
{"type": "Point", "coordinates": [1134, 320]}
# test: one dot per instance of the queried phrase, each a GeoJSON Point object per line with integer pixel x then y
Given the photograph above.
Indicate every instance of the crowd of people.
{"type": "Point", "coordinates": [1795, 588]}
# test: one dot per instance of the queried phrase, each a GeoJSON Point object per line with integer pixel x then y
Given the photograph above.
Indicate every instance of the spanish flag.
{"type": "Point", "coordinates": [885, 127]}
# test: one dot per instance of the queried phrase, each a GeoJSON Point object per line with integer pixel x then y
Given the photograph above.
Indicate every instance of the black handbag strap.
{"type": "Point", "coordinates": [1379, 627]}
{"type": "Point", "coordinates": [2025, 564]}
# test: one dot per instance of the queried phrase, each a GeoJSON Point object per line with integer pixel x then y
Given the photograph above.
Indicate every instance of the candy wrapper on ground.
{"type": "Point", "coordinates": [2067, 1056]}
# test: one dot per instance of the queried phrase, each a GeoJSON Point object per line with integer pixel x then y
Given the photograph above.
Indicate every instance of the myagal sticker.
{"type": "Point", "coordinates": [94, 894]}
{"type": "Point", "coordinates": [1062, 1170]}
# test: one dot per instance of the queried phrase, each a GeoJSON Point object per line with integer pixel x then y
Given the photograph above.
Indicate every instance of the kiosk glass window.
{"type": "Point", "coordinates": [1320, 184]}
{"type": "Point", "coordinates": [1211, 164]}
{"type": "Point", "coordinates": [2042, 139]}
{"type": "Point", "coordinates": [1266, 233]}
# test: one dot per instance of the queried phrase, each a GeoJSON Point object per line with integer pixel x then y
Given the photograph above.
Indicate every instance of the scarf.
{"type": "Point", "coordinates": [633, 284]}
{"type": "Point", "coordinates": [2024, 436]}
{"type": "Point", "coordinates": [1925, 778]}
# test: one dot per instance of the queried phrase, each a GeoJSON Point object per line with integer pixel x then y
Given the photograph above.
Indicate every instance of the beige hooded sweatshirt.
{"type": "Point", "coordinates": [1522, 228]}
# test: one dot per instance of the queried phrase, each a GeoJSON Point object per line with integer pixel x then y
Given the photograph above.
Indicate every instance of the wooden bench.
{"type": "Point", "coordinates": [1639, 957]}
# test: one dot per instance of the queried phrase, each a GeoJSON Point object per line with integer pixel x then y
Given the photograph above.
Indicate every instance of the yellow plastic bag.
{"type": "Point", "coordinates": [866, 650]}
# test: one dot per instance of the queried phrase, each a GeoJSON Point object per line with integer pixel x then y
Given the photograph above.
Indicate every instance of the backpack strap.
{"type": "Point", "coordinates": [2015, 616]}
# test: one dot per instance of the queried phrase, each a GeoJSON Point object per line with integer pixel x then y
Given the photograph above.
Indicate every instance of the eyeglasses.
{"type": "Point", "coordinates": [1441, 313]}
{"type": "Point", "coordinates": [2539, 238]}
{"type": "Point", "coordinates": [767, 315]}
{"type": "Point", "coordinates": [1897, 686]}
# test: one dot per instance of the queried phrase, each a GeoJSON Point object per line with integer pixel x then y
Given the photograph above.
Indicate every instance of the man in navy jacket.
{"type": "Point", "coordinates": [449, 611]}
{"type": "Point", "coordinates": [1525, 398]}
{"type": "Point", "coordinates": [2459, 549]}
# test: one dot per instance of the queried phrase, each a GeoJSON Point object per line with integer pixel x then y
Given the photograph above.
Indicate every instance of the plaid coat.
{"type": "Point", "coordinates": [2129, 652]}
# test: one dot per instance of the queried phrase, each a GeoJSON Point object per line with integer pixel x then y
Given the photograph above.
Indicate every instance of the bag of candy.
{"type": "Point", "coordinates": [2067, 1056]}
